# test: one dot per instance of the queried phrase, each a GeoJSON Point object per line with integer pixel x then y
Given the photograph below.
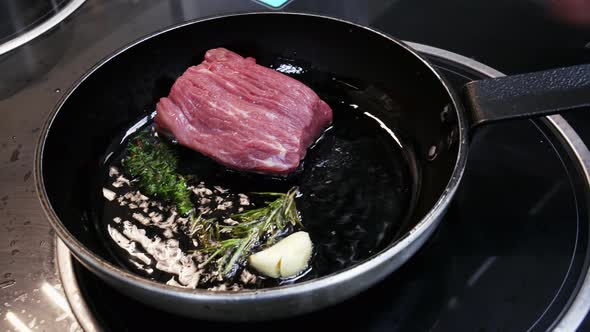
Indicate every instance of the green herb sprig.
{"type": "Point", "coordinates": [240, 238]}
{"type": "Point", "coordinates": [154, 164]}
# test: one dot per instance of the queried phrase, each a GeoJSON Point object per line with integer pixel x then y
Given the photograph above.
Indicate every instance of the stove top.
{"type": "Point", "coordinates": [510, 255]}
{"type": "Point", "coordinates": [22, 21]}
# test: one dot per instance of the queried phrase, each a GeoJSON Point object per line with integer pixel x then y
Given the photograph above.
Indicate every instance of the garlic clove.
{"type": "Point", "coordinates": [266, 262]}
{"type": "Point", "coordinates": [286, 258]}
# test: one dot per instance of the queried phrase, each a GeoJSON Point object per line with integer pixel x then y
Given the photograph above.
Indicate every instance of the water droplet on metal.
{"type": "Point", "coordinates": [7, 283]}
{"type": "Point", "coordinates": [58, 90]}
{"type": "Point", "coordinates": [14, 138]}
{"type": "Point", "coordinates": [12, 243]}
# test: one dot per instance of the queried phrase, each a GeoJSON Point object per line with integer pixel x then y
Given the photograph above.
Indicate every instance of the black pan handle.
{"type": "Point", "coordinates": [528, 95]}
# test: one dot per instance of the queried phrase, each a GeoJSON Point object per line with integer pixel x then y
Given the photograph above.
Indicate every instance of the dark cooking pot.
{"type": "Point", "coordinates": [431, 115]}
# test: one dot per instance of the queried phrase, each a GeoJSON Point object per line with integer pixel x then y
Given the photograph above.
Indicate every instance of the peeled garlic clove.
{"type": "Point", "coordinates": [266, 262]}
{"type": "Point", "coordinates": [286, 258]}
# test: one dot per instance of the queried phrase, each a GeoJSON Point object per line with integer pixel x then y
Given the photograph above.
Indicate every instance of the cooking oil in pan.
{"type": "Point", "coordinates": [355, 184]}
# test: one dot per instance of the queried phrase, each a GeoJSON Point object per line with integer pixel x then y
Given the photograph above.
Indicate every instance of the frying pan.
{"type": "Point", "coordinates": [437, 120]}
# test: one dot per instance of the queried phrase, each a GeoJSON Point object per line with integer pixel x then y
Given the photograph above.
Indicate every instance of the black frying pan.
{"type": "Point", "coordinates": [398, 88]}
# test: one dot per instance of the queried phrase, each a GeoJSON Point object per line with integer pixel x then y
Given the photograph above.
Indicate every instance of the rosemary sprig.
{"type": "Point", "coordinates": [154, 164]}
{"type": "Point", "coordinates": [254, 225]}
{"type": "Point", "coordinates": [205, 230]}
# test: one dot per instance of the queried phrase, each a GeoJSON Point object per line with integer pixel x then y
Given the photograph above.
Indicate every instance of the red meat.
{"type": "Point", "coordinates": [243, 115]}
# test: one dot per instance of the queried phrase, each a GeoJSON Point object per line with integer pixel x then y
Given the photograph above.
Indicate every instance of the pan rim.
{"type": "Point", "coordinates": [96, 263]}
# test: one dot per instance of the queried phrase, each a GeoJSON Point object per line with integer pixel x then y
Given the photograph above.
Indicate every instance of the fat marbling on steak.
{"type": "Point", "coordinates": [243, 115]}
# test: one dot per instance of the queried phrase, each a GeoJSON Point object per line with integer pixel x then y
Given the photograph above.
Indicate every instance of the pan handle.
{"type": "Point", "coordinates": [528, 95]}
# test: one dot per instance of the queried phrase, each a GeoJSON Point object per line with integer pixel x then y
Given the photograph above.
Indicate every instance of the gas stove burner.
{"type": "Point", "coordinates": [23, 20]}
{"type": "Point", "coordinates": [502, 259]}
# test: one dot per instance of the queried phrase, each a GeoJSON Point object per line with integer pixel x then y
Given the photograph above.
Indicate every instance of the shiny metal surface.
{"type": "Point", "coordinates": [41, 28]}
{"type": "Point", "coordinates": [76, 300]}
{"type": "Point", "coordinates": [571, 320]}
{"type": "Point", "coordinates": [580, 308]}
{"type": "Point", "coordinates": [31, 295]}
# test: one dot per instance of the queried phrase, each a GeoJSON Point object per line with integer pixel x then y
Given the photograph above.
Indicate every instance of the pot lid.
{"type": "Point", "coordinates": [23, 20]}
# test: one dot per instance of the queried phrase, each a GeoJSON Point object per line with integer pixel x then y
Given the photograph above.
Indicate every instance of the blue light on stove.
{"type": "Point", "coordinates": [274, 3]}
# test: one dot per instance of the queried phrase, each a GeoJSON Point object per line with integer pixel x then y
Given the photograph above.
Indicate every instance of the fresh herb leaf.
{"type": "Point", "coordinates": [256, 225]}
{"type": "Point", "coordinates": [154, 164]}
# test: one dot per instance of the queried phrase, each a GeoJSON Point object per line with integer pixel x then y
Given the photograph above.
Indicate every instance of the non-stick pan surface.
{"type": "Point", "coordinates": [412, 100]}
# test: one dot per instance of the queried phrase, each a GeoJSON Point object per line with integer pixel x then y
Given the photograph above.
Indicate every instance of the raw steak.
{"type": "Point", "coordinates": [243, 115]}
